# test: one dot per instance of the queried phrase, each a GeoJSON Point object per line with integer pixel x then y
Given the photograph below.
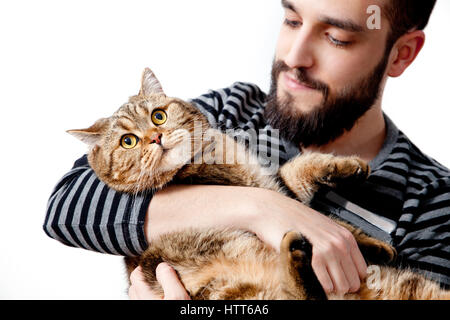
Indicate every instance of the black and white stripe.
{"type": "Point", "coordinates": [406, 200]}
{"type": "Point", "coordinates": [83, 212]}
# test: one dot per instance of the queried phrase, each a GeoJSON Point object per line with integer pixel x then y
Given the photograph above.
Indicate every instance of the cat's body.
{"type": "Point", "coordinates": [154, 140]}
{"type": "Point", "coordinates": [233, 264]}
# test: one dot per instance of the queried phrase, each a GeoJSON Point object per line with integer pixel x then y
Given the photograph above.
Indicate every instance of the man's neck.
{"type": "Point", "coordinates": [364, 140]}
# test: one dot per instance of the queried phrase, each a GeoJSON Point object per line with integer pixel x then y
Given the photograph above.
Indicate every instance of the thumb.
{"type": "Point", "coordinates": [139, 289]}
{"type": "Point", "coordinates": [171, 284]}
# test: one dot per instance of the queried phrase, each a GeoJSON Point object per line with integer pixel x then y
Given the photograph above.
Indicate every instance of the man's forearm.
{"type": "Point", "coordinates": [200, 206]}
{"type": "Point", "coordinates": [267, 213]}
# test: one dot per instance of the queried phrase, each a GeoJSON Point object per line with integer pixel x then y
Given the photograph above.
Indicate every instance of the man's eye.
{"type": "Point", "coordinates": [338, 43]}
{"type": "Point", "coordinates": [292, 23]}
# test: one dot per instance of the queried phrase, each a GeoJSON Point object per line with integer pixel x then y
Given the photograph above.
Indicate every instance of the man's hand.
{"type": "Point", "coordinates": [336, 258]}
{"type": "Point", "coordinates": [167, 278]}
{"type": "Point", "coordinates": [337, 261]}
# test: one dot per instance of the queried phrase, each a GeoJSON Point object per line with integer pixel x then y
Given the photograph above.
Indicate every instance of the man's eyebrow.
{"type": "Point", "coordinates": [346, 25]}
{"type": "Point", "coordinates": [288, 5]}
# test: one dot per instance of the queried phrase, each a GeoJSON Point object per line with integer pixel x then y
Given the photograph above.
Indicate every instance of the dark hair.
{"type": "Point", "coordinates": [405, 15]}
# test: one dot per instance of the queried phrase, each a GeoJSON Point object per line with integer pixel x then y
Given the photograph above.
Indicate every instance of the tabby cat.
{"type": "Point", "coordinates": [154, 140]}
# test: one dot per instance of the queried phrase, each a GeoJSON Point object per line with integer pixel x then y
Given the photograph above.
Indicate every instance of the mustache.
{"type": "Point", "coordinates": [301, 76]}
{"type": "Point", "coordinates": [336, 114]}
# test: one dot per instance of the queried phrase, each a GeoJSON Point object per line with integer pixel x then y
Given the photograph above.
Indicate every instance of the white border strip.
{"type": "Point", "coordinates": [382, 223]}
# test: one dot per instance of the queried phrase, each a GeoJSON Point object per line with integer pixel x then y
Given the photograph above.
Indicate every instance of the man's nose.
{"type": "Point", "coordinates": [300, 54]}
{"type": "Point", "coordinates": [156, 138]}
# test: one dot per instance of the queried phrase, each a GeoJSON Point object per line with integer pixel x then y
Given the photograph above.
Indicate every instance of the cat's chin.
{"type": "Point", "coordinates": [149, 180]}
{"type": "Point", "coordinates": [167, 167]}
{"type": "Point", "coordinates": [173, 159]}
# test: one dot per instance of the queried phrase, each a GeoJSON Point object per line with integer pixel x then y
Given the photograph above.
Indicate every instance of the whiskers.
{"type": "Point", "coordinates": [151, 158]}
{"type": "Point", "coordinates": [175, 138]}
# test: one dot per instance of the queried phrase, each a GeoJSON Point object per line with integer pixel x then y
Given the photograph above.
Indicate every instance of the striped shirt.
{"type": "Point", "coordinates": [405, 201]}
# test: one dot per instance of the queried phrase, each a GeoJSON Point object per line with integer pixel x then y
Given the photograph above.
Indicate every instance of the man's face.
{"type": "Point", "coordinates": [328, 69]}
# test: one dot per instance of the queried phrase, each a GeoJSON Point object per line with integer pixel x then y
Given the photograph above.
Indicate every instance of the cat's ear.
{"type": "Point", "coordinates": [150, 84]}
{"type": "Point", "coordinates": [92, 135]}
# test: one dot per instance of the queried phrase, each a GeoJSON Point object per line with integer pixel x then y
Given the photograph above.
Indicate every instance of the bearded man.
{"type": "Point", "coordinates": [328, 77]}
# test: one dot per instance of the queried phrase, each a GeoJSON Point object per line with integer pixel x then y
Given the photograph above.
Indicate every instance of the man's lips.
{"type": "Point", "coordinates": [292, 84]}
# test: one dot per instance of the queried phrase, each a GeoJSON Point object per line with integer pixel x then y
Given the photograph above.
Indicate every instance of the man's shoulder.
{"type": "Point", "coordinates": [239, 87]}
{"type": "Point", "coordinates": [246, 94]}
{"type": "Point", "coordinates": [238, 105]}
{"type": "Point", "coordinates": [424, 175]}
{"type": "Point", "coordinates": [423, 163]}
{"type": "Point", "coordinates": [425, 216]}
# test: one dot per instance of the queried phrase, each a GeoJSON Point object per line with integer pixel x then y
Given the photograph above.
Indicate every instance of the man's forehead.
{"type": "Point", "coordinates": [355, 9]}
{"type": "Point", "coordinates": [349, 15]}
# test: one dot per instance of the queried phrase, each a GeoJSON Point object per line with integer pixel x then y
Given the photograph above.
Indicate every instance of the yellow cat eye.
{"type": "Point", "coordinates": [159, 117]}
{"type": "Point", "coordinates": [129, 141]}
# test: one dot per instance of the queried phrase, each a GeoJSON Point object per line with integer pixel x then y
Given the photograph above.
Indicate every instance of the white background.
{"type": "Point", "coordinates": [64, 64]}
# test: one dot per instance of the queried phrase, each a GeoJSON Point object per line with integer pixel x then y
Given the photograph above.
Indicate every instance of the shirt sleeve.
{"type": "Point", "coordinates": [426, 222]}
{"type": "Point", "coordinates": [83, 212]}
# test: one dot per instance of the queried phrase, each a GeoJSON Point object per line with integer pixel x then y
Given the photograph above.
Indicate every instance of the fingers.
{"type": "Point", "coordinates": [139, 289]}
{"type": "Point", "coordinates": [339, 264]}
{"type": "Point", "coordinates": [337, 276]}
{"type": "Point", "coordinates": [355, 266]}
{"type": "Point", "coordinates": [167, 278]}
{"type": "Point", "coordinates": [350, 280]}
{"type": "Point", "coordinates": [323, 276]}
{"type": "Point", "coordinates": [359, 262]}
{"type": "Point", "coordinates": [171, 284]}
{"type": "Point", "coordinates": [348, 267]}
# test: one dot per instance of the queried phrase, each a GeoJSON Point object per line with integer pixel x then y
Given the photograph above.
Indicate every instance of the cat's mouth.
{"type": "Point", "coordinates": [170, 151]}
{"type": "Point", "coordinates": [162, 146]}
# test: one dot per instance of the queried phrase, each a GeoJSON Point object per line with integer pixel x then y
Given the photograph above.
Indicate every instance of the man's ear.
{"type": "Point", "coordinates": [405, 52]}
{"type": "Point", "coordinates": [150, 84]}
{"type": "Point", "coordinates": [92, 135]}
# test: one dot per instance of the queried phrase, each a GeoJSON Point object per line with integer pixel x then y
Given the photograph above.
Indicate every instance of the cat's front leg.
{"type": "Point", "coordinates": [304, 174]}
{"type": "Point", "coordinates": [298, 278]}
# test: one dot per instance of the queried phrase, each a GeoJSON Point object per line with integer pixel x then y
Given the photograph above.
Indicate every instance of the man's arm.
{"type": "Point", "coordinates": [422, 239]}
{"type": "Point", "coordinates": [337, 261]}
{"type": "Point", "coordinates": [83, 212]}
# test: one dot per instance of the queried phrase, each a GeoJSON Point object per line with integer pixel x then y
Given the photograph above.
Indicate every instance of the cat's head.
{"type": "Point", "coordinates": [146, 142]}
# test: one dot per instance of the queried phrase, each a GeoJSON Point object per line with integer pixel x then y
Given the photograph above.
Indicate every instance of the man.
{"type": "Point", "coordinates": [328, 77]}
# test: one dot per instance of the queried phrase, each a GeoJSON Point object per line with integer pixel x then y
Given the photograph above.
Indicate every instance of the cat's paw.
{"type": "Point", "coordinates": [300, 282]}
{"type": "Point", "coordinates": [377, 252]}
{"type": "Point", "coordinates": [345, 169]}
{"type": "Point", "coordinates": [296, 247]}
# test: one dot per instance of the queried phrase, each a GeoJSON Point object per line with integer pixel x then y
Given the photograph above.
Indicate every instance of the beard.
{"type": "Point", "coordinates": [332, 117]}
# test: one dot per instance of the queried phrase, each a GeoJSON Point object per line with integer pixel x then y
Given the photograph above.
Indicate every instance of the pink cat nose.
{"type": "Point", "coordinates": [156, 138]}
